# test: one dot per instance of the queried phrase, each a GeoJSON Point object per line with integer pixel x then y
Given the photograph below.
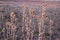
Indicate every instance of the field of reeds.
{"type": "Point", "coordinates": [29, 22]}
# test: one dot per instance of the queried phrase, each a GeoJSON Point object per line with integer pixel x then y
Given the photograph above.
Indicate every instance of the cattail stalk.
{"type": "Point", "coordinates": [8, 27]}
{"type": "Point", "coordinates": [50, 28]}
{"type": "Point", "coordinates": [42, 28]}
{"type": "Point", "coordinates": [13, 27]}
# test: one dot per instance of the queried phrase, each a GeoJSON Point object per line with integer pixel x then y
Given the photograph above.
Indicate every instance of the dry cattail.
{"type": "Point", "coordinates": [47, 18]}
{"type": "Point", "coordinates": [43, 14]}
{"type": "Point", "coordinates": [51, 22]}
{"type": "Point", "coordinates": [12, 14]}
{"type": "Point", "coordinates": [31, 11]}
{"type": "Point", "coordinates": [8, 23]}
{"type": "Point", "coordinates": [44, 5]}
{"type": "Point", "coordinates": [13, 27]}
